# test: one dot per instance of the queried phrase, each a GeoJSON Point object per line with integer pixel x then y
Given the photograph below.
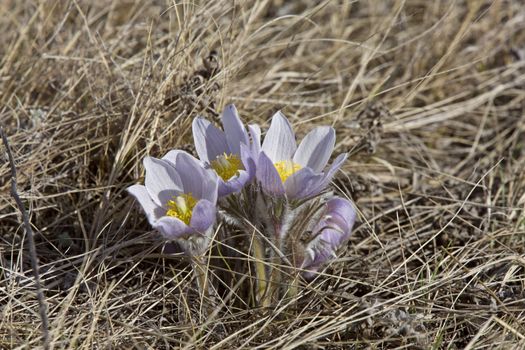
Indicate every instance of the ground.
{"type": "Point", "coordinates": [428, 98]}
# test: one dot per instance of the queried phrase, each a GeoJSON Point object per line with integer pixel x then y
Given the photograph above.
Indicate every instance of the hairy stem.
{"type": "Point", "coordinates": [200, 270]}
{"type": "Point", "coordinates": [262, 295]}
{"type": "Point", "coordinates": [293, 287]}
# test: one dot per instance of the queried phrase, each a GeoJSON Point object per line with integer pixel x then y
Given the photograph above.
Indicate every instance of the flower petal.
{"type": "Point", "coordinates": [162, 180]}
{"type": "Point", "coordinates": [171, 156]}
{"type": "Point", "coordinates": [255, 134]}
{"type": "Point", "coordinates": [152, 210]}
{"type": "Point", "coordinates": [233, 185]}
{"type": "Point", "coordinates": [279, 143]}
{"type": "Point", "coordinates": [248, 160]}
{"type": "Point", "coordinates": [234, 130]}
{"type": "Point", "coordinates": [340, 213]}
{"type": "Point", "coordinates": [316, 148]}
{"type": "Point", "coordinates": [337, 163]}
{"type": "Point", "coordinates": [299, 184]}
{"type": "Point", "coordinates": [268, 176]}
{"type": "Point", "coordinates": [200, 182]}
{"type": "Point", "coordinates": [333, 238]}
{"type": "Point", "coordinates": [320, 251]}
{"type": "Point", "coordinates": [325, 246]}
{"type": "Point", "coordinates": [172, 248]}
{"type": "Point", "coordinates": [209, 140]}
{"type": "Point", "coordinates": [332, 231]}
{"type": "Point", "coordinates": [172, 228]}
{"type": "Point", "coordinates": [203, 216]}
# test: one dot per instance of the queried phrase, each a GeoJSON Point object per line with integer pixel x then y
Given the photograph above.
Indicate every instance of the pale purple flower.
{"type": "Point", "coordinates": [330, 233]}
{"type": "Point", "coordinates": [297, 172]}
{"type": "Point", "coordinates": [179, 197]}
{"type": "Point", "coordinates": [231, 153]}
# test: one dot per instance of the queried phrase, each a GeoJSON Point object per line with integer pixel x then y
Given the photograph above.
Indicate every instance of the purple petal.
{"type": "Point", "coordinates": [203, 216]}
{"type": "Point", "coordinates": [279, 143]}
{"type": "Point", "coordinates": [152, 210]}
{"type": "Point", "coordinates": [333, 230]}
{"type": "Point", "coordinates": [340, 213]}
{"type": "Point", "coordinates": [171, 156]}
{"type": "Point", "coordinates": [248, 160]}
{"type": "Point", "coordinates": [172, 248]}
{"type": "Point", "coordinates": [255, 134]}
{"type": "Point", "coordinates": [200, 182]}
{"type": "Point", "coordinates": [315, 257]}
{"type": "Point", "coordinates": [320, 251]}
{"type": "Point", "coordinates": [325, 246]}
{"type": "Point", "coordinates": [300, 184]}
{"type": "Point", "coordinates": [234, 129]}
{"type": "Point", "coordinates": [209, 140]}
{"type": "Point", "coordinates": [316, 148]}
{"type": "Point", "coordinates": [162, 180]}
{"type": "Point", "coordinates": [338, 162]}
{"type": "Point", "coordinates": [333, 237]}
{"type": "Point", "coordinates": [268, 176]}
{"type": "Point", "coordinates": [233, 185]}
{"type": "Point", "coordinates": [172, 228]}
{"type": "Point", "coordinates": [311, 273]}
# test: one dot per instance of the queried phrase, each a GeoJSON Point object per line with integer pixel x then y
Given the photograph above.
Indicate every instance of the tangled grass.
{"type": "Point", "coordinates": [427, 96]}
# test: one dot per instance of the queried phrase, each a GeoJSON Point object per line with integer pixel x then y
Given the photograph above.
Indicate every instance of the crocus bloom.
{"type": "Point", "coordinates": [330, 233]}
{"type": "Point", "coordinates": [297, 172]}
{"type": "Point", "coordinates": [179, 197]}
{"type": "Point", "coordinates": [230, 152]}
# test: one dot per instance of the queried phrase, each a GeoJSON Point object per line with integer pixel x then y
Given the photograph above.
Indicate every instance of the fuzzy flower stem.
{"type": "Point", "coordinates": [262, 295]}
{"type": "Point", "coordinates": [200, 271]}
{"type": "Point", "coordinates": [276, 225]}
{"type": "Point", "coordinates": [293, 287]}
{"type": "Point", "coordinates": [275, 275]}
{"type": "Point", "coordinates": [280, 228]}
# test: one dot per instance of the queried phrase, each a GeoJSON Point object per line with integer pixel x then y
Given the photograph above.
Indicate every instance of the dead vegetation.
{"type": "Point", "coordinates": [427, 96]}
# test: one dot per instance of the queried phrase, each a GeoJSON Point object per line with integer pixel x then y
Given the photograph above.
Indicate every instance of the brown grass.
{"type": "Point", "coordinates": [428, 97]}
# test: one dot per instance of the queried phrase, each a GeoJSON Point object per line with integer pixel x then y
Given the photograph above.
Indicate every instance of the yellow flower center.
{"type": "Point", "coordinates": [227, 166]}
{"type": "Point", "coordinates": [181, 207]}
{"type": "Point", "coordinates": [286, 168]}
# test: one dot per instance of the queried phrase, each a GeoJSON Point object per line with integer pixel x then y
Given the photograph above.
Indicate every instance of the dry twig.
{"type": "Point", "coordinates": [31, 241]}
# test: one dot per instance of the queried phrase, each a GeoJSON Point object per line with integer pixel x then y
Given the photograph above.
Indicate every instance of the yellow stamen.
{"type": "Point", "coordinates": [181, 207]}
{"type": "Point", "coordinates": [227, 166]}
{"type": "Point", "coordinates": [286, 168]}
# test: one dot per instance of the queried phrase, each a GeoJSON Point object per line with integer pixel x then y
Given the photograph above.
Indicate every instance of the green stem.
{"type": "Point", "coordinates": [275, 271]}
{"type": "Point", "coordinates": [293, 286]}
{"type": "Point", "coordinates": [260, 272]}
{"type": "Point", "coordinates": [200, 270]}
{"type": "Point", "coordinates": [275, 279]}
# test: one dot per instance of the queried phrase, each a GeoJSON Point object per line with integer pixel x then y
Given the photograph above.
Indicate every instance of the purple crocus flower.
{"type": "Point", "coordinates": [297, 172]}
{"type": "Point", "coordinates": [231, 153]}
{"type": "Point", "coordinates": [330, 233]}
{"type": "Point", "coordinates": [179, 199]}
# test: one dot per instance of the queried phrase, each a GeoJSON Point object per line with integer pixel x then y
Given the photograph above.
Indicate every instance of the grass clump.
{"type": "Point", "coordinates": [428, 98]}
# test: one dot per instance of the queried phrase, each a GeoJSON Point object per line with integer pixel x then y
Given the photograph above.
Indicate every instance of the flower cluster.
{"type": "Point", "coordinates": [277, 187]}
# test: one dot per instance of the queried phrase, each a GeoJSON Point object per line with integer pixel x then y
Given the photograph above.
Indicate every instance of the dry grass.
{"type": "Point", "coordinates": [428, 96]}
